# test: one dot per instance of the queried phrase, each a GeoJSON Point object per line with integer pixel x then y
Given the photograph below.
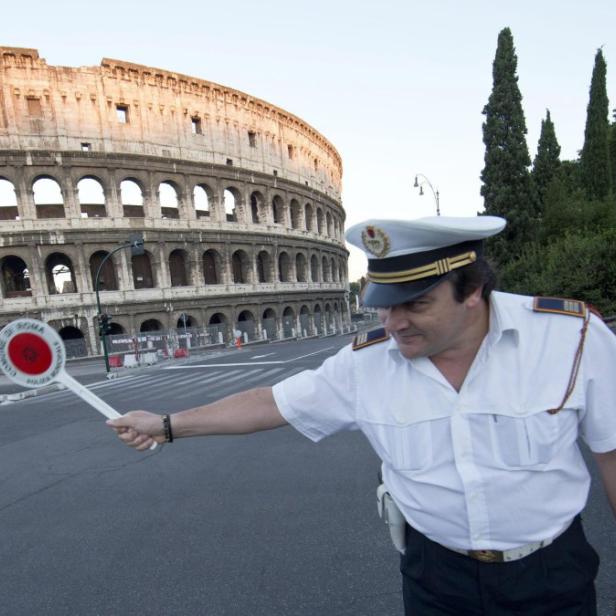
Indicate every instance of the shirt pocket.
{"type": "Point", "coordinates": [526, 442]}
{"type": "Point", "coordinates": [405, 447]}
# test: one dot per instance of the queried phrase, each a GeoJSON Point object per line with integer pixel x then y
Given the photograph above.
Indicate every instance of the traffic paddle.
{"type": "Point", "coordinates": [32, 354]}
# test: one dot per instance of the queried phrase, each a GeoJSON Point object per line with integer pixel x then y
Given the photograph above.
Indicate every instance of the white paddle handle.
{"type": "Point", "coordinates": [85, 394]}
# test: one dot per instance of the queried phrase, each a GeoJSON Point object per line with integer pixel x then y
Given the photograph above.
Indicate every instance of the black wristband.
{"type": "Point", "coordinates": [167, 429]}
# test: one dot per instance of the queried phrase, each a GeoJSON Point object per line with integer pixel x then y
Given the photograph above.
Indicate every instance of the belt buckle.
{"type": "Point", "coordinates": [487, 556]}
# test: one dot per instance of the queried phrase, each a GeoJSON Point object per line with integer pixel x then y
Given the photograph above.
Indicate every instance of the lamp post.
{"type": "Point", "coordinates": [135, 243]}
{"type": "Point", "coordinates": [420, 184]}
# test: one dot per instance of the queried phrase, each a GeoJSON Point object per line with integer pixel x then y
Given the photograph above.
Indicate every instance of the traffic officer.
{"type": "Point", "coordinates": [474, 400]}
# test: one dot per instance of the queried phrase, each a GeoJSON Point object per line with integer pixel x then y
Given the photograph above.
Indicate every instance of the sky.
{"type": "Point", "coordinates": [397, 86]}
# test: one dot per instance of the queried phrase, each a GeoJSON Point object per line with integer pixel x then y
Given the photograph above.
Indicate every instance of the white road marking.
{"type": "Point", "coordinates": [262, 356]}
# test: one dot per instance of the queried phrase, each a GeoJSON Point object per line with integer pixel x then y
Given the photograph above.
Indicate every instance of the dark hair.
{"type": "Point", "coordinates": [469, 278]}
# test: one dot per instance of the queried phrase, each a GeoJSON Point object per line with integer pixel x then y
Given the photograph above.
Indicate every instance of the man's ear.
{"type": "Point", "coordinates": [474, 299]}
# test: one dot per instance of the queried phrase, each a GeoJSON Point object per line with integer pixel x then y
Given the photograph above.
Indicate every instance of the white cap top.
{"type": "Point", "coordinates": [392, 238]}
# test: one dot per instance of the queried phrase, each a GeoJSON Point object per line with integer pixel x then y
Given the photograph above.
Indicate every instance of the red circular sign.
{"type": "Point", "coordinates": [30, 353]}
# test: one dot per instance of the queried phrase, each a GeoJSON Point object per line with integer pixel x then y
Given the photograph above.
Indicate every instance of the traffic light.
{"type": "Point", "coordinates": [104, 325]}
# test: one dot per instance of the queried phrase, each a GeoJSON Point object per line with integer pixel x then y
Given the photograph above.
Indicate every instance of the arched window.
{"type": "Point", "coordinates": [333, 270]}
{"type": "Point", "coordinates": [230, 202]}
{"type": "Point", "coordinates": [308, 216]}
{"type": "Point", "coordinates": [15, 277]}
{"type": "Point", "coordinates": [325, 269]}
{"type": "Point", "coordinates": [283, 267]}
{"type": "Point", "coordinates": [107, 280]}
{"type": "Point", "coordinates": [74, 341]}
{"type": "Point", "coordinates": [300, 267]}
{"type": "Point", "coordinates": [202, 201]}
{"type": "Point", "coordinates": [314, 269]}
{"type": "Point", "coordinates": [320, 221]}
{"type": "Point", "coordinates": [60, 274]}
{"type": "Point", "coordinates": [151, 325]}
{"type": "Point", "coordinates": [328, 219]}
{"type": "Point", "coordinates": [143, 277]}
{"type": "Point", "coordinates": [256, 206]}
{"type": "Point", "coordinates": [8, 201]}
{"type": "Point", "coordinates": [169, 203]}
{"type": "Point", "coordinates": [296, 214]}
{"type": "Point", "coordinates": [48, 198]}
{"type": "Point", "coordinates": [278, 210]}
{"type": "Point", "coordinates": [264, 267]}
{"type": "Point", "coordinates": [131, 196]}
{"type": "Point", "coordinates": [211, 267]}
{"type": "Point", "coordinates": [177, 268]}
{"type": "Point", "coordinates": [239, 261]}
{"type": "Point", "coordinates": [91, 198]}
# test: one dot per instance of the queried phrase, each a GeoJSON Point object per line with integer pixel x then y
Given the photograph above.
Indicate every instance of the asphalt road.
{"type": "Point", "coordinates": [266, 525]}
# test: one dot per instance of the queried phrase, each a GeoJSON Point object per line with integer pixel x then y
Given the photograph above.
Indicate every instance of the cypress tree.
{"type": "Point", "coordinates": [612, 148]}
{"type": "Point", "coordinates": [547, 162]}
{"type": "Point", "coordinates": [595, 162]}
{"type": "Point", "coordinates": [506, 188]}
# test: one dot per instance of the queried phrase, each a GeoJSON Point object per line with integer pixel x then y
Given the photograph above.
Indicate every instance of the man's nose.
{"type": "Point", "coordinates": [394, 318]}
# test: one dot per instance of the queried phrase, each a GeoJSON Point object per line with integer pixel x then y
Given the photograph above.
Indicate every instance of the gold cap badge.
{"type": "Point", "coordinates": [375, 241]}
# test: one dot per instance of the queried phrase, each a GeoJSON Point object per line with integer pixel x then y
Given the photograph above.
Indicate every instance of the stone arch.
{"type": "Point", "coordinates": [246, 324]}
{"type": "Point", "coordinates": [300, 267]}
{"type": "Point", "coordinates": [212, 267]}
{"type": "Point", "coordinates": [288, 322]}
{"type": "Point", "coordinates": [318, 319]}
{"type": "Point", "coordinates": [131, 197]}
{"type": "Point", "coordinates": [296, 214]}
{"type": "Point", "coordinates": [328, 224]}
{"type": "Point", "coordinates": [74, 341]}
{"type": "Point", "coordinates": [178, 268]}
{"type": "Point", "coordinates": [151, 325]}
{"type": "Point", "coordinates": [217, 318]}
{"type": "Point", "coordinates": [116, 328]}
{"type": "Point", "coordinates": [319, 221]}
{"type": "Point", "coordinates": [190, 322]}
{"type": "Point", "coordinates": [240, 265]}
{"type": "Point", "coordinates": [143, 276]}
{"type": "Point", "coordinates": [269, 324]}
{"type": "Point", "coordinates": [91, 196]}
{"type": "Point", "coordinates": [15, 277]}
{"type": "Point", "coordinates": [107, 280]}
{"type": "Point", "coordinates": [304, 321]}
{"type": "Point", "coordinates": [257, 202]}
{"type": "Point", "coordinates": [333, 270]}
{"type": "Point", "coordinates": [278, 210]}
{"type": "Point", "coordinates": [202, 197]}
{"type": "Point", "coordinates": [60, 274]}
{"type": "Point", "coordinates": [284, 267]}
{"type": "Point", "coordinates": [325, 269]}
{"type": "Point", "coordinates": [169, 199]}
{"type": "Point", "coordinates": [308, 216]}
{"type": "Point", "coordinates": [231, 201]}
{"type": "Point", "coordinates": [8, 200]}
{"type": "Point", "coordinates": [264, 266]}
{"type": "Point", "coordinates": [314, 269]}
{"type": "Point", "coordinates": [48, 197]}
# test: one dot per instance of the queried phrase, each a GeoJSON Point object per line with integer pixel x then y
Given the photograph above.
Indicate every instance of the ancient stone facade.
{"type": "Point", "coordinates": [238, 203]}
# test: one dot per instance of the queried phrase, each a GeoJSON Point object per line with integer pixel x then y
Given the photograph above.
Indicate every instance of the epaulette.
{"type": "Point", "coordinates": [558, 305]}
{"type": "Point", "coordinates": [369, 338]}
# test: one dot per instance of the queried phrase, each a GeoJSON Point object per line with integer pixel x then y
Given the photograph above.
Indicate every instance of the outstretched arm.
{"type": "Point", "coordinates": [249, 411]}
{"type": "Point", "coordinates": [607, 467]}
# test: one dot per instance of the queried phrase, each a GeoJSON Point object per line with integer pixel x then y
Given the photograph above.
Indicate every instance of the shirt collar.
{"type": "Point", "coordinates": [501, 319]}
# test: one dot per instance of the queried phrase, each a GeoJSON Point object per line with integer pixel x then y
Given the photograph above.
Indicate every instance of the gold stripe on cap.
{"type": "Point", "coordinates": [437, 268]}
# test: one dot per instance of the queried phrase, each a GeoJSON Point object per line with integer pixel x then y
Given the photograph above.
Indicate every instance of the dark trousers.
{"type": "Point", "coordinates": [557, 580]}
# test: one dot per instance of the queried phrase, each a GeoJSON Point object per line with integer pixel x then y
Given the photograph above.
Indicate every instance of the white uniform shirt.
{"type": "Point", "coordinates": [486, 467]}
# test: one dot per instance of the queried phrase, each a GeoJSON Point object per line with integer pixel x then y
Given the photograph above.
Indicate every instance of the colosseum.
{"type": "Point", "coordinates": [237, 202]}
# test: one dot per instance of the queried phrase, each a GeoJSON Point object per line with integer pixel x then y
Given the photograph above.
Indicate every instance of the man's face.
{"type": "Point", "coordinates": [432, 324]}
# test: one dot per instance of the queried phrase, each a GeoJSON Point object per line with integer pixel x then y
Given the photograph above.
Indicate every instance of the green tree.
{"type": "Point", "coordinates": [612, 148]}
{"type": "Point", "coordinates": [507, 189]}
{"type": "Point", "coordinates": [595, 161]}
{"type": "Point", "coordinates": [547, 162]}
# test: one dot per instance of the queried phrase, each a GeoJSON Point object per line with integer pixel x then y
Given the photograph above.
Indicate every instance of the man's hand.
{"type": "Point", "coordinates": [139, 429]}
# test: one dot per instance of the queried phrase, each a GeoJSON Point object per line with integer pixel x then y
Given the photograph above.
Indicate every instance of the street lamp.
{"type": "Point", "coordinates": [135, 243]}
{"type": "Point", "coordinates": [420, 184]}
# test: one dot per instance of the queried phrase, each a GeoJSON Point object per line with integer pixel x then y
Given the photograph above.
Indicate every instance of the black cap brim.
{"type": "Point", "coordinates": [377, 295]}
